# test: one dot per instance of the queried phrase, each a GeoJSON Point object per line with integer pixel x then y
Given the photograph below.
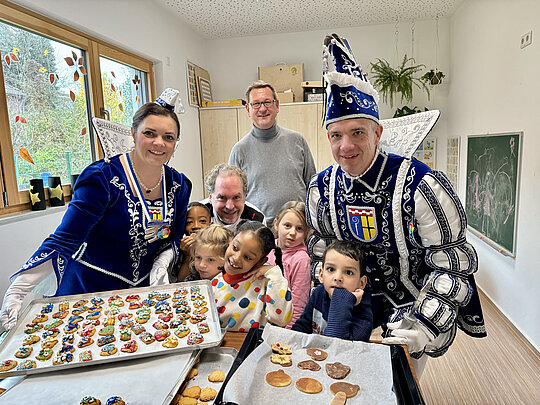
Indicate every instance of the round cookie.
{"type": "Point", "coordinates": [281, 359]}
{"type": "Point", "coordinates": [317, 354]}
{"type": "Point", "coordinates": [337, 370]}
{"type": "Point", "coordinates": [350, 390]}
{"type": "Point", "coordinates": [115, 401]}
{"type": "Point", "coordinates": [277, 378]}
{"type": "Point", "coordinates": [216, 376]}
{"type": "Point", "coordinates": [308, 385]}
{"type": "Point", "coordinates": [207, 394]}
{"type": "Point", "coordinates": [309, 365]}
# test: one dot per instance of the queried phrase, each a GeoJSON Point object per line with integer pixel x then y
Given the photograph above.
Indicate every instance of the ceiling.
{"type": "Point", "coordinates": [214, 19]}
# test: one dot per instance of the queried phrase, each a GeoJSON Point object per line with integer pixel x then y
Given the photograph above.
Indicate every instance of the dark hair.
{"type": "Point", "coordinates": [266, 237]}
{"type": "Point", "coordinates": [154, 109]}
{"type": "Point", "coordinates": [199, 204]}
{"type": "Point", "coordinates": [349, 249]}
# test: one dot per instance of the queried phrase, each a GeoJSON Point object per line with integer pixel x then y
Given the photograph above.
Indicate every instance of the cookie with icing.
{"type": "Point", "coordinates": [7, 365]}
{"type": "Point", "coordinates": [317, 354]}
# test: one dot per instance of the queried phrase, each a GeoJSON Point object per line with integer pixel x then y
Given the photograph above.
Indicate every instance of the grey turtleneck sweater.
{"type": "Point", "coordinates": [278, 164]}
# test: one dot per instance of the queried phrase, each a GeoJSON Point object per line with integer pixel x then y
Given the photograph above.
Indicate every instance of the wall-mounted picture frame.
{"type": "Point", "coordinates": [493, 177]}
{"type": "Point", "coordinates": [452, 160]}
{"type": "Point", "coordinates": [205, 91]}
{"type": "Point", "coordinates": [193, 94]}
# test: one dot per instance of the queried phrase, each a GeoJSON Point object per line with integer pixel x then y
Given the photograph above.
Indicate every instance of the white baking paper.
{"type": "Point", "coordinates": [370, 365]}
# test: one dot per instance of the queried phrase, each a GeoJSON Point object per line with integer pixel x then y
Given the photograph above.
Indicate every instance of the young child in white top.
{"type": "Point", "coordinates": [249, 294]}
{"type": "Point", "coordinates": [292, 231]}
{"type": "Point", "coordinates": [208, 252]}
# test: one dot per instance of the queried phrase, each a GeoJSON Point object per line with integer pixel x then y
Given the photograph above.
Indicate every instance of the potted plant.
{"type": "Point", "coordinates": [406, 110]}
{"type": "Point", "coordinates": [390, 81]}
{"type": "Point", "coordinates": [433, 77]}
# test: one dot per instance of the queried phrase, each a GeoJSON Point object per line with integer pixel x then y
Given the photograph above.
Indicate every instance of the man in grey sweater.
{"type": "Point", "coordinates": [277, 160]}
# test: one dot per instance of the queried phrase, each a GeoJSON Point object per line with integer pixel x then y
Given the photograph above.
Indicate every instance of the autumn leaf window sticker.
{"type": "Point", "coordinates": [12, 56]}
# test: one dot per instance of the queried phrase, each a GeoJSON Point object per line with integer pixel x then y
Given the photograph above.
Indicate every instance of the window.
{"type": "Point", "coordinates": [54, 79]}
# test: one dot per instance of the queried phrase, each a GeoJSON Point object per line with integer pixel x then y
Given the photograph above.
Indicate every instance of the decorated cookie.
{"type": "Point", "coordinates": [97, 301]}
{"type": "Point", "coordinates": [30, 340]}
{"type": "Point", "coordinates": [129, 347]}
{"type": "Point", "coordinates": [163, 296]}
{"type": "Point", "coordinates": [160, 325]}
{"type": "Point", "coordinates": [89, 400]}
{"type": "Point", "coordinates": [47, 308]}
{"type": "Point", "coordinates": [135, 304]}
{"type": "Point", "coordinates": [123, 316]}
{"type": "Point", "coordinates": [181, 291]}
{"type": "Point", "coordinates": [110, 320]}
{"type": "Point", "coordinates": [149, 302]}
{"type": "Point", "coordinates": [115, 401]}
{"type": "Point", "coordinates": [87, 331]}
{"type": "Point", "coordinates": [75, 319]}
{"type": "Point", "coordinates": [79, 310]}
{"type": "Point", "coordinates": [32, 327]}
{"type": "Point", "coordinates": [80, 303]}
{"type": "Point", "coordinates": [106, 340]}
{"type": "Point", "coordinates": [317, 354]}
{"type": "Point", "coordinates": [152, 294]}
{"type": "Point", "coordinates": [62, 358]}
{"type": "Point", "coordinates": [281, 359]}
{"type": "Point", "coordinates": [147, 338]}
{"type": "Point", "coordinates": [108, 350]}
{"type": "Point", "coordinates": [137, 328]}
{"type": "Point", "coordinates": [308, 385]}
{"type": "Point", "coordinates": [203, 327]}
{"type": "Point", "coordinates": [194, 338]}
{"type": "Point", "coordinates": [125, 324]}
{"type": "Point", "coordinates": [183, 317]}
{"type": "Point", "coordinates": [125, 334]}
{"type": "Point", "coordinates": [162, 334]}
{"type": "Point", "coordinates": [170, 342]}
{"type": "Point", "coordinates": [40, 318]}
{"type": "Point", "coordinates": [71, 327]}
{"type": "Point", "coordinates": [85, 355]}
{"type": "Point", "coordinates": [162, 306]}
{"type": "Point", "coordinates": [113, 298]}
{"type": "Point", "coordinates": [195, 318]}
{"type": "Point", "coordinates": [93, 322]}
{"type": "Point", "coordinates": [199, 303]}
{"type": "Point", "coordinates": [68, 339]}
{"type": "Point", "coordinates": [44, 354]}
{"type": "Point", "coordinates": [49, 342]}
{"type": "Point", "coordinates": [63, 306]}
{"type": "Point", "coordinates": [54, 324]}
{"type": "Point", "coordinates": [165, 317]}
{"type": "Point", "coordinates": [277, 378]}
{"type": "Point", "coordinates": [7, 365]}
{"type": "Point", "coordinates": [201, 310]}
{"type": "Point", "coordinates": [182, 309]}
{"type": "Point", "coordinates": [66, 348]}
{"type": "Point", "coordinates": [85, 341]}
{"type": "Point", "coordinates": [51, 332]}
{"type": "Point", "coordinates": [107, 330]}
{"type": "Point", "coordinates": [176, 323]}
{"type": "Point", "coordinates": [133, 297]}
{"type": "Point", "coordinates": [182, 331]}
{"type": "Point", "coordinates": [94, 314]}
{"type": "Point", "coordinates": [60, 314]}
{"type": "Point", "coordinates": [27, 365]}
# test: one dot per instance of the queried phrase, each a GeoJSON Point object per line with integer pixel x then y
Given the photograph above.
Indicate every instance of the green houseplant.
{"type": "Point", "coordinates": [433, 77]}
{"type": "Point", "coordinates": [390, 81]}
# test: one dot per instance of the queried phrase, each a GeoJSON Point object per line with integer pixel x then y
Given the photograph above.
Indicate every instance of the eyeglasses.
{"type": "Point", "coordinates": [258, 104]}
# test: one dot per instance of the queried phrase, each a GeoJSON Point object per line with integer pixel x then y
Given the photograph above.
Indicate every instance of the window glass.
{"type": "Point", "coordinates": [124, 90]}
{"type": "Point", "coordinates": [46, 91]}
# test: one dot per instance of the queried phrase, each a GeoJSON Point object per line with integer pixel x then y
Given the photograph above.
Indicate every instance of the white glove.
{"type": "Point", "coordinates": [22, 285]}
{"type": "Point", "coordinates": [159, 274]}
{"type": "Point", "coordinates": [410, 332]}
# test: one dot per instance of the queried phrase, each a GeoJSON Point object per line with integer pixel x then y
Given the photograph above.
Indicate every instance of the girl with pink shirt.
{"type": "Point", "coordinates": [292, 231]}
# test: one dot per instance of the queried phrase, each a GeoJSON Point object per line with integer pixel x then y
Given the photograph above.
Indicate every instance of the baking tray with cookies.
{"type": "Point", "coordinates": [290, 367]}
{"type": "Point", "coordinates": [87, 329]}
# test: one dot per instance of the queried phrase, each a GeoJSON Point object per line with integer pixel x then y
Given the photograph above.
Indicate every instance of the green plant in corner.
{"type": "Point", "coordinates": [433, 77]}
{"type": "Point", "coordinates": [390, 81]}
{"type": "Point", "coordinates": [405, 110]}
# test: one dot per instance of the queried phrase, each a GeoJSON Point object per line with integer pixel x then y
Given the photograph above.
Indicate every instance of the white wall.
{"type": "Point", "coordinates": [494, 88]}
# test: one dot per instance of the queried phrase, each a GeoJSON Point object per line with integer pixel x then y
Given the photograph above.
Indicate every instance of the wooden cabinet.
{"type": "Point", "coordinates": [222, 127]}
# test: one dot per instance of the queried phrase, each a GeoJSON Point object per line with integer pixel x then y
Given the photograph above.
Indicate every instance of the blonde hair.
{"type": "Point", "coordinates": [298, 208]}
{"type": "Point", "coordinates": [215, 237]}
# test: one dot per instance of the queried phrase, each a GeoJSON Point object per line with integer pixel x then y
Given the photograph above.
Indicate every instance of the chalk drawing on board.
{"type": "Point", "coordinates": [493, 165]}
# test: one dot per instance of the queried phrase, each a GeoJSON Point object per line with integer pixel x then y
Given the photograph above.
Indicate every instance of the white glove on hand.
{"type": "Point", "coordinates": [409, 332]}
{"type": "Point", "coordinates": [22, 285]}
{"type": "Point", "coordinates": [159, 274]}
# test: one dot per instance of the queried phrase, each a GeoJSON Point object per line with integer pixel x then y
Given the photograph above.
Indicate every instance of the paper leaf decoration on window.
{"type": "Point", "coordinates": [13, 57]}
{"type": "Point", "coordinates": [53, 77]}
{"type": "Point", "coordinates": [121, 107]}
{"type": "Point", "coordinates": [69, 61]}
{"type": "Point", "coordinates": [74, 55]}
{"type": "Point", "coordinates": [83, 131]}
{"type": "Point", "coordinates": [21, 119]}
{"type": "Point", "coordinates": [25, 155]}
{"type": "Point", "coordinates": [113, 75]}
{"type": "Point", "coordinates": [76, 76]}
{"type": "Point", "coordinates": [72, 96]}
{"type": "Point", "coordinates": [8, 61]}
{"type": "Point", "coordinates": [113, 88]}
{"type": "Point", "coordinates": [82, 70]}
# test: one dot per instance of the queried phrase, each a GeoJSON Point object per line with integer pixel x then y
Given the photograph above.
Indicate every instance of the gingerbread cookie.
{"type": "Point", "coordinates": [350, 390]}
{"type": "Point", "coordinates": [337, 370]}
{"type": "Point", "coordinates": [317, 354]}
{"type": "Point", "coordinates": [216, 376]}
{"type": "Point", "coordinates": [281, 359]}
{"type": "Point", "coordinates": [308, 385]}
{"type": "Point", "coordinates": [281, 348]}
{"type": "Point", "coordinates": [277, 378]}
{"type": "Point", "coordinates": [309, 365]}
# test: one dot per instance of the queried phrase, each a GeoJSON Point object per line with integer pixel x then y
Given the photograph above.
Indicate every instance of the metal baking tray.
{"type": "Point", "coordinates": [16, 335]}
{"type": "Point", "coordinates": [215, 358]}
{"type": "Point", "coordinates": [149, 380]}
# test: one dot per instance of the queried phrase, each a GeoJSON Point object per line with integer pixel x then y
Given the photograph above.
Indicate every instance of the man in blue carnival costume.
{"type": "Point", "coordinates": [407, 217]}
{"type": "Point", "coordinates": [117, 232]}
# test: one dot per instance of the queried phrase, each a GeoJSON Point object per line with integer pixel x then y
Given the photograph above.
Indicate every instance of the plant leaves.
{"type": "Point", "coordinates": [14, 57]}
{"type": "Point", "coordinates": [82, 70]}
{"type": "Point", "coordinates": [72, 96]}
{"type": "Point", "coordinates": [76, 76]}
{"type": "Point", "coordinates": [69, 61]}
{"type": "Point", "coordinates": [25, 155]}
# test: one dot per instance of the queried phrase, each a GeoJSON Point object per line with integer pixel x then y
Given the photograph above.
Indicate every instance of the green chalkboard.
{"type": "Point", "coordinates": [493, 168]}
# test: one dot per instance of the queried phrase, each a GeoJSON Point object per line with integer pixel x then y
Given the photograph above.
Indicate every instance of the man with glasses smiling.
{"type": "Point", "coordinates": [277, 160]}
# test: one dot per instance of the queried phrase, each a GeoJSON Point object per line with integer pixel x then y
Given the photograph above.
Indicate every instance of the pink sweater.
{"type": "Point", "coordinates": [296, 264]}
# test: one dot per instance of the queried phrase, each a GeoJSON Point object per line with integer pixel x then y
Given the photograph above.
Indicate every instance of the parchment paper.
{"type": "Point", "coordinates": [370, 365]}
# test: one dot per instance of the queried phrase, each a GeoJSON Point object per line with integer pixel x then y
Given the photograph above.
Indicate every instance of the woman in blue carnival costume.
{"type": "Point", "coordinates": [124, 224]}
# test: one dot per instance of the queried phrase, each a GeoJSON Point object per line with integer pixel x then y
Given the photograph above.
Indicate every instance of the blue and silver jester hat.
{"type": "Point", "coordinates": [349, 93]}
{"type": "Point", "coordinates": [170, 99]}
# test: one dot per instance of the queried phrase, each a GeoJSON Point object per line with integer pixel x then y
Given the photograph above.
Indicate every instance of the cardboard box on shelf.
{"type": "Point", "coordinates": [287, 97]}
{"type": "Point", "coordinates": [312, 83]}
{"type": "Point", "coordinates": [285, 77]}
{"type": "Point", "coordinates": [223, 103]}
